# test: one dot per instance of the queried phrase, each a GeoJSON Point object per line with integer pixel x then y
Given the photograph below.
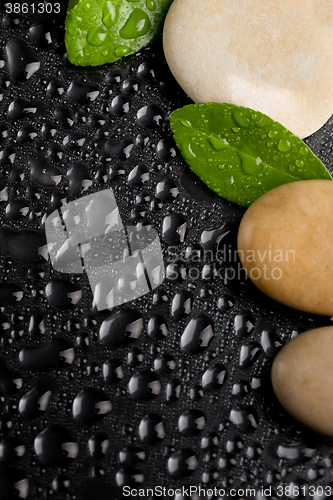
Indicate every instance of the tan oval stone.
{"type": "Point", "coordinates": [285, 244]}
{"type": "Point", "coordinates": [302, 378]}
{"type": "Point", "coordinates": [274, 56]}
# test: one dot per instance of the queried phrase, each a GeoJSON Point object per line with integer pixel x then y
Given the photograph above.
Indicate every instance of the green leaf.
{"type": "Point", "coordinates": [102, 31]}
{"type": "Point", "coordinates": [240, 153]}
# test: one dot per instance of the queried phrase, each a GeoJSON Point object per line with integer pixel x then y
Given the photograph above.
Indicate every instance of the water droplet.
{"type": "Point", "coordinates": [138, 24]}
{"type": "Point", "coordinates": [121, 328]}
{"type": "Point", "coordinates": [131, 454]}
{"type": "Point", "coordinates": [151, 5]}
{"type": "Point", "coordinates": [138, 176]}
{"type": "Point", "coordinates": [54, 446]}
{"type": "Point", "coordinates": [225, 303]}
{"type": "Point", "coordinates": [120, 104]}
{"type": "Point", "coordinates": [182, 463]}
{"type": "Point", "coordinates": [244, 324]}
{"type": "Point", "coordinates": [122, 50]}
{"type": "Point", "coordinates": [167, 190]}
{"type": "Point", "coordinates": [129, 476]}
{"type": "Point", "coordinates": [150, 116]}
{"type": "Point", "coordinates": [210, 442]}
{"type": "Point", "coordinates": [144, 385]}
{"type": "Point", "coordinates": [185, 123]}
{"type": "Point", "coordinates": [248, 354]}
{"type": "Point", "coordinates": [40, 33]}
{"type": "Point", "coordinates": [112, 371]}
{"type": "Point", "coordinates": [13, 484]}
{"type": "Point", "coordinates": [79, 178]}
{"type": "Point", "coordinates": [134, 357]}
{"type": "Point", "coordinates": [191, 422]}
{"type": "Point", "coordinates": [244, 418]}
{"type": "Point", "coordinates": [157, 328]}
{"type": "Point", "coordinates": [42, 173]}
{"type": "Point", "coordinates": [221, 236]}
{"type": "Point", "coordinates": [181, 305]}
{"type": "Point", "coordinates": [35, 402]}
{"type": "Point", "coordinates": [174, 229]}
{"type": "Point", "coordinates": [295, 452]}
{"type": "Point", "coordinates": [81, 92]}
{"type": "Point", "coordinates": [48, 355]}
{"type": "Point", "coordinates": [98, 445]}
{"type": "Point", "coordinates": [214, 377]}
{"type": "Point", "coordinates": [300, 163]}
{"type": "Point", "coordinates": [97, 36]}
{"type": "Point", "coordinates": [264, 121]}
{"type": "Point", "coordinates": [9, 381]}
{"type": "Point", "coordinates": [22, 61]}
{"type": "Point", "coordinates": [109, 16]}
{"type": "Point", "coordinates": [151, 429]}
{"type": "Point", "coordinates": [240, 118]}
{"type": "Point", "coordinates": [164, 363]}
{"type": "Point", "coordinates": [11, 449]}
{"type": "Point", "coordinates": [197, 335]}
{"type": "Point", "coordinates": [304, 150]}
{"type": "Point", "coordinates": [284, 145]}
{"type": "Point", "coordinates": [217, 144]}
{"type": "Point", "coordinates": [173, 390]}
{"type": "Point", "coordinates": [240, 389]}
{"type": "Point", "coordinates": [90, 405]}
{"type": "Point", "coordinates": [270, 342]}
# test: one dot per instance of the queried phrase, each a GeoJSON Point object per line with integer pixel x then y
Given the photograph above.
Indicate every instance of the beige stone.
{"type": "Point", "coordinates": [274, 56]}
{"type": "Point", "coordinates": [302, 378]}
{"type": "Point", "coordinates": [285, 243]}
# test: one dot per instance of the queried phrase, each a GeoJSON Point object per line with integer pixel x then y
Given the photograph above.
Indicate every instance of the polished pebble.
{"type": "Point", "coordinates": [302, 378]}
{"type": "Point", "coordinates": [285, 243]}
{"type": "Point", "coordinates": [274, 57]}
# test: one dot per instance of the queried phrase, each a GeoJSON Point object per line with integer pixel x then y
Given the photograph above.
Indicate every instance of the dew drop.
{"type": "Point", "coordinates": [54, 446]}
{"type": "Point", "coordinates": [244, 324]}
{"type": "Point", "coordinates": [151, 5]}
{"type": "Point", "coordinates": [122, 50]}
{"type": "Point", "coordinates": [244, 418]}
{"type": "Point", "coordinates": [97, 36]}
{"type": "Point", "coordinates": [11, 449]}
{"type": "Point", "coordinates": [90, 405]}
{"type": "Point", "coordinates": [109, 16]}
{"type": "Point", "coordinates": [35, 402]}
{"type": "Point", "coordinates": [151, 429]}
{"type": "Point", "coordinates": [138, 24]}
{"type": "Point", "coordinates": [98, 445]}
{"type": "Point", "coordinates": [197, 335]}
{"type": "Point", "coordinates": [182, 463]}
{"type": "Point", "coordinates": [284, 145]}
{"type": "Point", "coordinates": [144, 385]}
{"type": "Point", "coordinates": [240, 119]}
{"type": "Point", "coordinates": [121, 328]}
{"type": "Point", "coordinates": [112, 371]}
{"type": "Point", "coordinates": [157, 328]}
{"type": "Point", "coordinates": [131, 454]}
{"type": "Point", "coordinates": [214, 377]}
{"type": "Point", "coordinates": [191, 422]}
{"type": "Point", "coordinates": [217, 144]}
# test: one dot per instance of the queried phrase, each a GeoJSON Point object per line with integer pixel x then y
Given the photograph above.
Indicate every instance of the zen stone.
{"type": "Point", "coordinates": [302, 378]}
{"type": "Point", "coordinates": [274, 56]}
{"type": "Point", "coordinates": [285, 243]}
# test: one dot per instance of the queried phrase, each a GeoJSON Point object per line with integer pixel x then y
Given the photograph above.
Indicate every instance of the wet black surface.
{"type": "Point", "coordinates": [173, 388]}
